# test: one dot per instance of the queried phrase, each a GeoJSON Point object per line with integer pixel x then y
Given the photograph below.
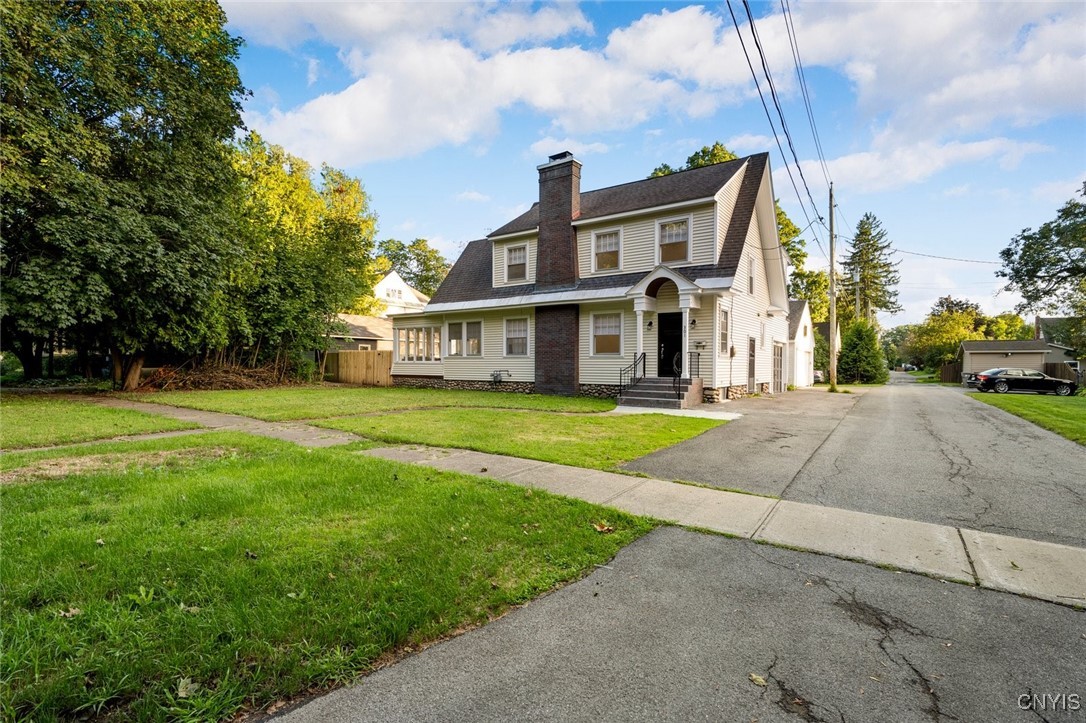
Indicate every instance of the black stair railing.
{"type": "Point", "coordinates": [677, 371]}
{"type": "Point", "coordinates": [632, 374]}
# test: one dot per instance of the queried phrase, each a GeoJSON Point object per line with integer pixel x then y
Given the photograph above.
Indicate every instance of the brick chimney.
{"type": "Point", "coordinates": [559, 205]}
{"type": "Point", "coordinates": [557, 328]}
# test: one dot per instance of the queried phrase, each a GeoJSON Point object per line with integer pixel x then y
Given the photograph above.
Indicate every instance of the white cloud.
{"type": "Point", "coordinates": [313, 66]}
{"type": "Point", "coordinates": [1059, 192]}
{"type": "Point", "coordinates": [473, 196]}
{"type": "Point", "coordinates": [892, 168]}
{"type": "Point", "coordinates": [513, 24]}
{"type": "Point", "coordinates": [549, 146]}
{"type": "Point", "coordinates": [748, 143]}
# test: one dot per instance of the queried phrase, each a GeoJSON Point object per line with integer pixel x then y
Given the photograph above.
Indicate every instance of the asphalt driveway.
{"type": "Point", "coordinates": [684, 626]}
{"type": "Point", "coordinates": [917, 451]}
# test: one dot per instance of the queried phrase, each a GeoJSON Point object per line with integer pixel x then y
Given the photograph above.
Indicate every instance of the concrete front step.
{"type": "Point", "coordinates": [651, 402]}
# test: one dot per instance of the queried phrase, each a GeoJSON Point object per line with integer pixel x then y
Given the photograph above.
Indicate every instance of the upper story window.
{"type": "Point", "coordinates": [607, 250]}
{"type": "Point", "coordinates": [394, 293]}
{"type": "Point", "coordinates": [674, 240]}
{"type": "Point", "coordinates": [750, 276]}
{"type": "Point", "coordinates": [516, 263]}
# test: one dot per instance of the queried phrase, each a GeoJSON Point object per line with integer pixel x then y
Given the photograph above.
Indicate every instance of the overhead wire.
{"type": "Point", "coordinates": [786, 12]}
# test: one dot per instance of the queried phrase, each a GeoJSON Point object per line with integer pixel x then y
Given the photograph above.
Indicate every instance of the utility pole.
{"type": "Point", "coordinates": [856, 283]}
{"type": "Point", "coordinates": [833, 304]}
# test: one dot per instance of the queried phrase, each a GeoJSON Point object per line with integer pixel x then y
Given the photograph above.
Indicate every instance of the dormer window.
{"type": "Point", "coordinates": [516, 263]}
{"type": "Point", "coordinates": [673, 238]}
{"type": "Point", "coordinates": [607, 251]}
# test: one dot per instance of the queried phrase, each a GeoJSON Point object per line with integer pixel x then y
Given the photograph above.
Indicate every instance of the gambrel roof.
{"type": "Point", "coordinates": [470, 278]}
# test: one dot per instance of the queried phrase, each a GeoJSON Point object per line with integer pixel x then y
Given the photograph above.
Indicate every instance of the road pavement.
{"type": "Point", "coordinates": [685, 626]}
{"type": "Point", "coordinates": [917, 451]}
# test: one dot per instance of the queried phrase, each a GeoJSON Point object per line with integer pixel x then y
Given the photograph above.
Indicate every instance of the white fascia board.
{"type": "Point", "coordinates": [643, 211]}
{"type": "Point", "coordinates": [560, 297]}
{"type": "Point", "coordinates": [515, 234]}
{"type": "Point", "coordinates": [723, 283]}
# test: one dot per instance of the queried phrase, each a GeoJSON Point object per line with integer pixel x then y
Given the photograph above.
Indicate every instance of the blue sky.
{"type": "Point", "coordinates": [956, 124]}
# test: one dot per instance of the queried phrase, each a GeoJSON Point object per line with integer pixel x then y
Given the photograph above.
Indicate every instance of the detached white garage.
{"type": "Point", "coordinates": [977, 356]}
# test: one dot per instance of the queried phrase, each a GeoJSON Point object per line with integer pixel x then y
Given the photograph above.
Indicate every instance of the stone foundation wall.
{"type": "Point", "coordinates": [764, 388]}
{"type": "Point", "coordinates": [599, 391]}
{"type": "Point", "coordinates": [420, 382]}
{"type": "Point", "coordinates": [713, 395]}
{"type": "Point", "coordinates": [739, 391]}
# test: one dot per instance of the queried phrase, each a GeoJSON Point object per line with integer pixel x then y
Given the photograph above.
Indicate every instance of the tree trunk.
{"type": "Point", "coordinates": [28, 350]}
{"type": "Point", "coordinates": [52, 347]}
{"type": "Point", "coordinates": [133, 369]}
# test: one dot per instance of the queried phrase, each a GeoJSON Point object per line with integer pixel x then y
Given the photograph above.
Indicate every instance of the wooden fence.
{"type": "Point", "coordinates": [951, 372]}
{"type": "Point", "coordinates": [371, 368]}
{"type": "Point", "coordinates": [1062, 371]}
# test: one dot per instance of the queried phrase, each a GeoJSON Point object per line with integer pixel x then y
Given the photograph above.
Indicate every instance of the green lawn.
{"type": "Point", "coordinates": [322, 402]}
{"type": "Point", "coordinates": [193, 577]}
{"type": "Point", "coordinates": [1065, 416]}
{"type": "Point", "coordinates": [594, 441]}
{"type": "Point", "coordinates": [36, 420]}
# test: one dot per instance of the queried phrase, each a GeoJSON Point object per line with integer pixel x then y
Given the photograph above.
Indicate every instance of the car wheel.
{"type": "Point", "coordinates": [1063, 390]}
{"type": "Point", "coordinates": [1002, 387]}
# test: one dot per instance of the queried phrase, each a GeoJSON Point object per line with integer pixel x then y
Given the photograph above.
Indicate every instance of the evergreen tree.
{"type": "Point", "coordinates": [869, 271]}
{"type": "Point", "coordinates": [862, 359]}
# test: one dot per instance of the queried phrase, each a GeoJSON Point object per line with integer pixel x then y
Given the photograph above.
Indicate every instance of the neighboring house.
{"type": "Point", "coordinates": [681, 271]}
{"type": "Point", "coordinates": [399, 298]}
{"type": "Point", "coordinates": [800, 344]}
{"type": "Point", "coordinates": [1058, 330]}
{"type": "Point", "coordinates": [976, 356]}
{"type": "Point", "coordinates": [363, 332]}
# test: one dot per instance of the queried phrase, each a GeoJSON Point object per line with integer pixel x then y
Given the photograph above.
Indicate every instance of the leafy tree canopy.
{"type": "Point", "coordinates": [1048, 266]}
{"type": "Point", "coordinates": [116, 119]}
{"type": "Point", "coordinates": [418, 263]}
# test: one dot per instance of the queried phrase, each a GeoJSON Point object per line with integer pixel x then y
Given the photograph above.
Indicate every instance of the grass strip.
{"type": "Point", "coordinates": [592, 441]}
{"type": "Point", "coordinates": [322, 402]}
{"type": "Point", "coordinates": [39, 420]}
{"type": "Point", "coordinates": [1066, 416]}
{"type": "Point", "coordinates": [258, 572]}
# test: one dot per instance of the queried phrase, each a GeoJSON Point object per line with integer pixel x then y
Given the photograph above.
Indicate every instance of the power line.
{"type": "Point", "coordinates": [777, 104]}
{"type": "Point", "coordinates": [786, 12]}
{"type": "Point", "coordinates": [768, 115]}
{"type": "Point", "coordinates": [947, 258]}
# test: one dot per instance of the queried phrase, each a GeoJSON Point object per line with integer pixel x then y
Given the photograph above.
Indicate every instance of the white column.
{"type": "Point", "coordinates": [640, 332]}
{"type": "Point", "coordinates": [686, 343]}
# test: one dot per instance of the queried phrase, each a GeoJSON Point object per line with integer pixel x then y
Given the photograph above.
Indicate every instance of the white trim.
{"type": "Point", "coordinates": [689, 219]}
{"type": "Point", "coordinates": [592, 250]}
{"type": "Point", "coordinates": [527, 337]}
{"type": "Point", "coordinates": [515, 234]}
{"type": "Point", "coordinates": [447, 337]}
{"type": "Point", "coordinates": [527, 277]}
{"type": "Point", "coordinates": [621, 334]}
{"type": "Point", "coordinates": [584, 220]}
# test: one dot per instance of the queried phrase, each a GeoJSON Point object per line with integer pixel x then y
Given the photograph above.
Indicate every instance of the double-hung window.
{"type": "Point", "coordinates": [723, 332]}
{"type": "Point", "coordinates": [465, 338]}
{"type": "Point", "coordinates": [607, 333]}
{"type": "Point", "coordinates": [607, 250]}
{"type": "Point", "coordinates": [516, 263]}
{"type": "Point", "coordinates": [750, 276]}
{"type": "Point", "coordinates": [418, 344]}
{"type": "Point", "coordinates": [674, 239]}
{"type": "Point", "coordinates": [516, 337]}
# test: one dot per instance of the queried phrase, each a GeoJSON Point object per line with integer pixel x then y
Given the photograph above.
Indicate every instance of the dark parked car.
{"type": "Point", "coordinates": [1023, 380]}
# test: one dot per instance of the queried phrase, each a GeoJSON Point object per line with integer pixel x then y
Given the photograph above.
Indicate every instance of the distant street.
{"type": "Point", "coordinates": [917, 451]}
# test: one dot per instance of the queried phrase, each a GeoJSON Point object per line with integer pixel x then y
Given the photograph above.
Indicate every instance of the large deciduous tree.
{"type": "Point", "coordinates": [868, 272]}
{"type": "Point", "coordinates": [116, 119]}
{"type": "Point", "coordinates": [1048, 266]}
{"type": "Point", "coordinates": [418, 263]}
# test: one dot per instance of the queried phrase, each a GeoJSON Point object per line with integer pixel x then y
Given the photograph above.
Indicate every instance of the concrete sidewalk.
{"type": "Point", "coordinates": [1042, 570]}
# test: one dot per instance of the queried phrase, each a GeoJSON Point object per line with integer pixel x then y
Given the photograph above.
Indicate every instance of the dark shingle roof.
{"type": "Point", "coordinates": [795, 313]}
{"type": "Point", "coordinates": [365, 327]}
{"type": "Point", "coordinates": [648, 193]}
{"type": "Point", "coordinates": [470, 278]}
{"type": "Point", "coordinates": [1005, 345]}
{"type": "Point", "coordinates": [823, 329]}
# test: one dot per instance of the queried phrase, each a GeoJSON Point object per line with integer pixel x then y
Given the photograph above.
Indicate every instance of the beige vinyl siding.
{"type": "Point", "coordinates": [725, 205]}
{"type": "Point", "coordinates": [979, 361]}
{"type": "Point", "coordinates": [639, 240]}
{"type": "Point", "coordinates": [605, 369]}
{"type": "Point", "coordinates": [498, 251]}
{"type": "Point", "coordinates": [520, 368]}
{"type": "Point", "coordinates": [747, 314]}
{"type": "Point", "coordinates": [432, 368]}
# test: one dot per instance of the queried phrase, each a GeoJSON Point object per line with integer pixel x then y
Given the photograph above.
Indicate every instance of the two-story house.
{"type": "Point", "coordinates": [680, 275]}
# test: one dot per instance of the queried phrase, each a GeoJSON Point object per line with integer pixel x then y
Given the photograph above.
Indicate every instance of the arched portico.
{"type": "Point", "coordinates": [645, 294]}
